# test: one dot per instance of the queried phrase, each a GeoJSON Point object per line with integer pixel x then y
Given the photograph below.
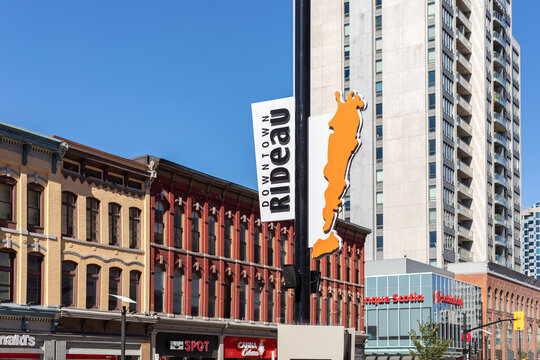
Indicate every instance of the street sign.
{"type": "Point", "coordinates": [466, 337]}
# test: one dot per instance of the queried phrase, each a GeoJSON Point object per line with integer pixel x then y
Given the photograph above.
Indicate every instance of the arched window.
{"type": "Point", "coordinates": [507, 302]}
{"type": "Point", "coordinates": [270, 248]}
{"type": "Point", "coordinates": [92, 219]}
{"type": "Point", "coordinates": [270, 302]}
{"type": "Point", "coordinates": [178, 292]}
{"type": "Point", "coordinates": [195, 293]}
{"type": "Point", "coordinates": [34, 279]}
{"type": "Point", "coordinates": [282, 249]}
{"type": "Point", "coordinates": [512, 303]}
{"type": "Point", "coordinates": [328, 307]}
{"type": "Point", "coordinates": [498, 334]}
{"type": "Point", "coordinates": [134, 228]}
{"type": "Point", "coordinates": [495, 299]}
{"type": "Point", "coordinates": [135, 290]}
{"type": "Point", "coordinates": [212, 283]}
{"type": "Point", "coordinates": [178, 226]}
{"type": "Point", "coordinates": [501, 307]}
{"type": "Point", "coordinates": [227, 241]}
{"type": "Point", "coordinates": [243, 240]}
{"type": "Point", "coordinates": [529, 337]}
{"type": "Point", "coordinates": [257, 245]}
{"type": "Point", "coordinates": [114, 224]}
{"type": "Point", "coordinates": [69, 283]}
{"type": "Point", "coordinates": [489, 298]}
{"type": "Point", "coordinates": [509, 337]}
{"type": "Point", "coordinates": [7, 201]}
{"type": "Point", "coordinates": [227, 301]}
{"type": "Point", "coordinates": [242, 314]}
{"type": "Point", "coordinates": [7, 272]}
{"type": "Point", "coordinates": [34, 207]}
{"type": "Point", "coordinates": [212, 235]}
{"type": "Point", "coordinates": [69, 211]}
{"type": "Point", "coordinates": [92, 286]}
{"type": "Point", "coordinates": [115, 287]}
{"type": "Point", "coordinates": [159, 289]}
{"type": "Point", "coordinates": [159, 225]}
{"type": "Point", "coordinates": [195, 231]}
{"type": "Point", "coordinates": [257, 301]}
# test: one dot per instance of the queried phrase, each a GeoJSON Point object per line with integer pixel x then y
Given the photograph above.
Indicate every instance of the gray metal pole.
{"type": "Point", "coordinates": [464, 336]}
{"type": "Point", "coordinates": [123, 334]}
{"type": "Point", "coordinates": [302, 64]}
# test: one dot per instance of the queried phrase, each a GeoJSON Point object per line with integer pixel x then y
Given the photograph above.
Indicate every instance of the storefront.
{"type": "Point", "coordinates": [177, 346]}
{"type": "Point", "coordinates": [249, 348]}
{"type": "Point", "coordinates": [400, 293]}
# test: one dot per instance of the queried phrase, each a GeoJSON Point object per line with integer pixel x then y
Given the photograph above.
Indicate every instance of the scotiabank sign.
{"type": "Point", "coordinates": [240, 347]}
{"type": "Point", "coordinates": [411, 298]}
{"type": "Point", "coordinates": [439, 297]}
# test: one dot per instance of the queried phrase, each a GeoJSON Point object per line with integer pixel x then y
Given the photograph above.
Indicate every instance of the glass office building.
{"type": "Point", "coordinates": [400, 293]}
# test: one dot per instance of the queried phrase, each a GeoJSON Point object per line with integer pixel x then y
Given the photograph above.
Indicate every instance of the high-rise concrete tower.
{"type": "Point", "coordinates": [438, 175]}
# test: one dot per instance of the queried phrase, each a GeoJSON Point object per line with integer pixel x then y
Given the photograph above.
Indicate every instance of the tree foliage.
{"type": "Point", "coordinates": [427, 344]}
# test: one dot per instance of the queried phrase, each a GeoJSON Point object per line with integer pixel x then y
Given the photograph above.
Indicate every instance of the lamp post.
{"type": "Point", "coordinates": [123, 326]}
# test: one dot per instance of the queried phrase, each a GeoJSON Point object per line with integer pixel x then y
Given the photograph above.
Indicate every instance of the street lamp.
{"type": "Point", "coordinates": [123, 327]}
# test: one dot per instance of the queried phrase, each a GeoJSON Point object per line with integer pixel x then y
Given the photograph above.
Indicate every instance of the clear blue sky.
{"type": "Point", "coordinates": [176, 78]}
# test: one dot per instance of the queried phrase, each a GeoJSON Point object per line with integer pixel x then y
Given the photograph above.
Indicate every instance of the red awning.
{"type": "Point", "coordinates": [90, 357]}
{"type": "Point", "coordinates": [18, 356]}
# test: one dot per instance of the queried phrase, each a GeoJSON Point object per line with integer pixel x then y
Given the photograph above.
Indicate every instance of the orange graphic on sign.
{"type": "Point", "coordinates": [343, 143]}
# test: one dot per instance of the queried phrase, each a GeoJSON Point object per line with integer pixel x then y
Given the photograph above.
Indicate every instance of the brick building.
{"type": "Point", "coordinates": [215, 266]}
{"type": "Point", "coordinates": [504, 291]}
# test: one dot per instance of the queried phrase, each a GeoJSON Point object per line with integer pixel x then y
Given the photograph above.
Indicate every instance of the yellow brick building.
{"type": "Point", "coordinates": [74, 228]}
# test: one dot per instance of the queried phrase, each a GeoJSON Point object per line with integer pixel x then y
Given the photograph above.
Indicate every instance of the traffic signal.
{"type": "Point", "coordinates": [519, 322]}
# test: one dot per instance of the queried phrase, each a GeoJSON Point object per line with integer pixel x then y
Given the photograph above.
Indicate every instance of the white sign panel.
{"type": "Point", "coordinates": [176, 345]}
{"type": "Point", "coordinates": [334, 139]}
{"type": "Point", "coordinates": [274, 135]}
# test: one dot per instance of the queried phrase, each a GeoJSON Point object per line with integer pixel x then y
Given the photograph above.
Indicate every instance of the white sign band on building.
{"type": "Point", "coordinates": [274, 136]}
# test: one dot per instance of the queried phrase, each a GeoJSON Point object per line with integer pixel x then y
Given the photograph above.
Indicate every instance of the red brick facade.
{"type": "Point", "coordinates": [502, 294]}
{"type": "Point", "coordinates": [178, 189]}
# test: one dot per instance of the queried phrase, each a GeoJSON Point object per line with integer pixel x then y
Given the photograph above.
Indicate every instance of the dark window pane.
{"type": "Point", "coordinates": [178, 226]}
{"type": "Point", "coordinates": [6, 205]}
{"type": "Point", "coordinates": [33, 287]}
{"type": "Point", "coordinates": [34, 207]}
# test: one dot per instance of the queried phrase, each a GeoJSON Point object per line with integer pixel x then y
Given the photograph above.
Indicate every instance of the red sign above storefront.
{"type": "Point", "coordinates": [414, 297]}
{"type": "Point", "coordinates": [439, 297]}
{"type": "Point", "coordinates": [255, 348]}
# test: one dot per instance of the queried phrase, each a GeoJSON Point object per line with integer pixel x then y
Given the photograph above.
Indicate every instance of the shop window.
{"type": "Point", "coordinates": [159, 211]}
{"type": "Point", "coordinates": [178, 226]}
{"type": "Point", "coordinates": [195, 293]}
{"type": "Point", "coordinates": [243, 241]}
{"type": "Point", "coordinates": [257, 301]}
{"type": "Point", "coordinates": [177, 291]}
{"type": "Point", "coordinates": [92, 286]}
{"type": "Point", "coordinates": [195, 231]}
{"type": "Point", "coordinates": [257, 245]}
{"type": "Point", "coordinates": [282, 249]}
{"type": "Point", "coordinates": [134, 228]}
{"type": "Point", "coordinates": [7, 201]}
{"type": "Point", "coordinates": [212, 283]}
{"type": "Point", "coordinates": [159, 289]}
{"type": "Point", "coordinates": [270, 248]}
{"type": "Point", "coordinates": [114, 224]}
{"type": "Point", "coordinates": [212, 235]}
{"type": "Point", "coordinates": [227, 301]}
{"type": "Point", "coordinates": [69, 283]}
{"type": "Point", "coordinates": [92, 219]}
{"type": "Point", "coordinates": [69, 212]}
{"type": "Point", "coordinates": [34, 279]}
{"type": "Point", "coordinates": [135, 290]}
{"type": "Point", "coordinates": [115, 286]}
{"type": "Point", "coordinates": [270, 302]}
{"type": "Point", "coordinates": [242, 300]}
{"type": "Point", "coordinates": [7, 271]}
{"type": "Point", "coordinates": [34, 207]}
{"type": "Point", "coordinates": [227, 244]}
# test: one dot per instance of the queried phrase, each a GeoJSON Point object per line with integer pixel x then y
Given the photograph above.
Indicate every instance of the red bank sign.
{"type": "Point", "coordinates": [411, 298]}
{"type": "Point", "coordinates": [439, 297]}
{"type": "Point", "coordinates": [240, 347]}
